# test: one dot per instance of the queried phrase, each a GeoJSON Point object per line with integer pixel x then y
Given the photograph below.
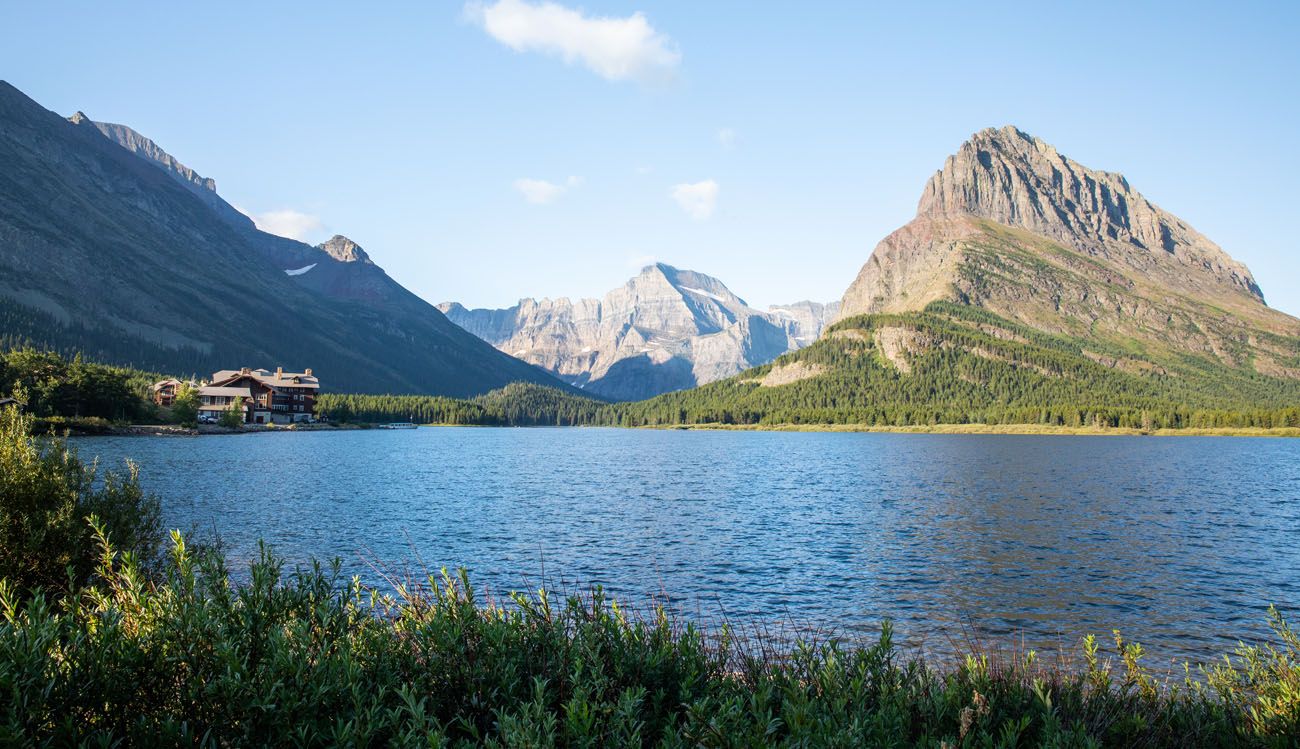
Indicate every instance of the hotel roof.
{"type": "Point", "coordinates": [276, 379]}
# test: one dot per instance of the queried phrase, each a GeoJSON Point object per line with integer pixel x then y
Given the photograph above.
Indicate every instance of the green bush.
{"type": "Point", "coordinates": [307, 659]}
{"type": "Point", "coordinates": [233, 417]}
{"type": "Point", "coordinates": [185, 406]}
{"type": "Point", "coordinates": [47, 497]}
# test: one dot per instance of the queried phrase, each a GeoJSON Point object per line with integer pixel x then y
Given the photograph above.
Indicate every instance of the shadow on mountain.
{"type": "Point", "coordinates": [638, 377]}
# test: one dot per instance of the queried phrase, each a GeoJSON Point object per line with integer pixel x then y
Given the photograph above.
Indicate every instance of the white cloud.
{"type": "Point", "coordinates": [697, 199]}
{"type": "Point", "coordinates": [614, 48]}
{"type": "Point", "coordinates": [286, 222]}
{"type": "Point", "coordinates": [727, 137]}
{"type": "Point", "coordinates": [541, 192]}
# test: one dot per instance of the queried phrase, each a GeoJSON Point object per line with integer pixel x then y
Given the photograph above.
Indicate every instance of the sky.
{"type": "Point", "coordinates": [487, 151]}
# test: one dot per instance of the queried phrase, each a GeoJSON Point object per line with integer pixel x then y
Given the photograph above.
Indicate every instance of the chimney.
{"type": "Point", "coordinates": [245, 370]}
{"type": "Point", "coordinates": [308, 372]}
{"type": "Point", "coordinates": [279, 372]}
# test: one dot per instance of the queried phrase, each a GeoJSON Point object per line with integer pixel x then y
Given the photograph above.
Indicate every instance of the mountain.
{"type": "Point", "coordinates": [806, 319]}
{"type": "Point", "coordinates": [1012, 226]}
{"type": "Point", "coordinates": [111, 246]}
{"type": "Point", "coordinates": [204, 188]}
{"type": "Point", "coordinates": [666, 329]}
{"type": "Point", "coordinates": [1030, 288]}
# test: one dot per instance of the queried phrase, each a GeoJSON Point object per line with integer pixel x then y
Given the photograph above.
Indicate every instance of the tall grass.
{"type": "Point", "coordinates": [306, 658]}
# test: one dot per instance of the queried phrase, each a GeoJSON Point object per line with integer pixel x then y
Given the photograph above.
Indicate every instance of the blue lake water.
{"type": "Point", "coordinates": [1181, 542]}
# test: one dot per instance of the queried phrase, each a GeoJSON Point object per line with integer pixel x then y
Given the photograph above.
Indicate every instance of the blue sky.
{"type": "Point", "coordinates": [485, 153]}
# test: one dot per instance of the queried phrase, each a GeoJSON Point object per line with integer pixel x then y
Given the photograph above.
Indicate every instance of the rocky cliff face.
{"type": "Point", "coordinates": [344, 250]}
{"type": "Point", "coordinates": [1017, 180]}
{"type": "Point", "coordinates": [806, 320]}
{"type": "Point", "coordinates": [1011, 225]}
{"type": "Point", "coordinates": [205, 188]}
{"type": "Point", "coordinates": [666, 329]}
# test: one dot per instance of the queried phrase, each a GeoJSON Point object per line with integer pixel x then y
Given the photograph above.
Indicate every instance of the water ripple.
{"type": "Point", "coordinates": [1181, 543]}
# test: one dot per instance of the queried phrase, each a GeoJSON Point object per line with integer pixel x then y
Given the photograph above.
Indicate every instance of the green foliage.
{"type": "Point", "coordinates": [75, 388]}
{"type": "Point", "coordinates": [517, 404]}
{"type": "Point", "coordinates": [526, 404]}
{"type": "Point", "coordinates": [233, 417]}
{"type": "Point", "coordinates": [185, 406]}
{"type": "Point", "coordinates": [420, 409]}
{"type": "Point", "coordinates": [47, 497]}
{"type": "Point", "coordinates": [308, 659]}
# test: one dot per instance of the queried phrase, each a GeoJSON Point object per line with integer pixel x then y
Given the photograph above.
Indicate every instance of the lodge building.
{"type": "Point", "coordinates": [277, 397]}
{"type": "Point", "coordinates": [164, 393]}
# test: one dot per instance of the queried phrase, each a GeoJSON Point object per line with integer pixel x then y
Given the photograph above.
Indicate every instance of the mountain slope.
{"type": "Point", "coordinates": [1029, 288]}
{"type": "Point", "coordinates": [956, 364]}
{"type": "Point", "coordinates": [666, 329]}
{"type": "Point", "coordinates": [1012, 226]}
{"type": "Point", "coordinates": [110, 246]}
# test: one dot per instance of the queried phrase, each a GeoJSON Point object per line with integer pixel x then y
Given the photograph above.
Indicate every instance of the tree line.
{"type": "Point", "coordinates": [963, 374]}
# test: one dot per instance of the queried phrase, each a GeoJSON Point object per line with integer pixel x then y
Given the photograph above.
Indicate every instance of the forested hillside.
{"type": "Point", "coordinates": [517, 404]}
{"type": "Point", "coordinates": [50, 385]}
{"type": "Point", "coordinates": [954, 365]}
{"type": "Point", "coordinates": [947, 365]}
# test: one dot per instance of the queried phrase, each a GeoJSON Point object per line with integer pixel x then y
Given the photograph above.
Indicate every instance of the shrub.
{"type": "Point", "coordinates": [308, 659]}
{"type": "Point", "coordinates": [185, 406]}
{"type": "Point", "coordinates": [47, 497]}
{"type": "Point", "coordinates": [233, 417]}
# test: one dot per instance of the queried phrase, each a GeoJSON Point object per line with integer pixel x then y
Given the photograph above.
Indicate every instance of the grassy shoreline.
{"type": "Point", "coordinates": [990, 429]}
{"type": "Point", "coordinates": [139, 430]}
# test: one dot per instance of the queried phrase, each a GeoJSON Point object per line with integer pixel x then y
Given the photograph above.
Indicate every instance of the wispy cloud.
{"type": "Point", "coordinates": [541, 192]}
{"type": "Point", "coordinates": [614, 48]}
{"type": "Point", "coordinates": [286, 222]}
{"type": "Point", "coordinates": [727, 137]}
{"type": "Point", "coordinates": [698, 199]}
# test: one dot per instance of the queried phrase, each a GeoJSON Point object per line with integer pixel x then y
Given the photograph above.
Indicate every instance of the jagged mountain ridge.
{"type": "Point", "coordinates": [111, 246]}
{"type": "Point", "coordinates": [1012, 226]}
{"type": "Point", "coordinates": [205, 188]}
{"type": "Point", "coordinates": [665, 329]}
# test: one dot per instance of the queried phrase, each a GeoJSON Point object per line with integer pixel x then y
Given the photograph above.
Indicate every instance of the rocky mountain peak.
{"type": "Point", "coordinates": [144, 147]}
{"type": "Point", "coordinates": [664, 329]}
{"type": "Point", "coordinates": [344, 250]}
{"type": "Point", "coordinates": [1011, 177]}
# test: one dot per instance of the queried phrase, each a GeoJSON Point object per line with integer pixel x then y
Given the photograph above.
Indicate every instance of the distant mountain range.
{"type": "Point", "coordinates": [1029, 288]}
{"type": "Point", "coordinates": [666, 329]}
{"type": "Point", "coordinates": [113, 247]}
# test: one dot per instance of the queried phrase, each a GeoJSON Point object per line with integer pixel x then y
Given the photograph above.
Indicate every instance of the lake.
{"type": "Point", "coordinates": [1179, 542]}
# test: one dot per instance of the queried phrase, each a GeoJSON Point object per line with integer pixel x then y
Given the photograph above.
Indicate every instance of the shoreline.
{"type": "Point", "coordinates": [203, 430]}
{"type": "Point", "coordinates": [146, 430]}
{"type": "Point", "coordinates": [994, 429]}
